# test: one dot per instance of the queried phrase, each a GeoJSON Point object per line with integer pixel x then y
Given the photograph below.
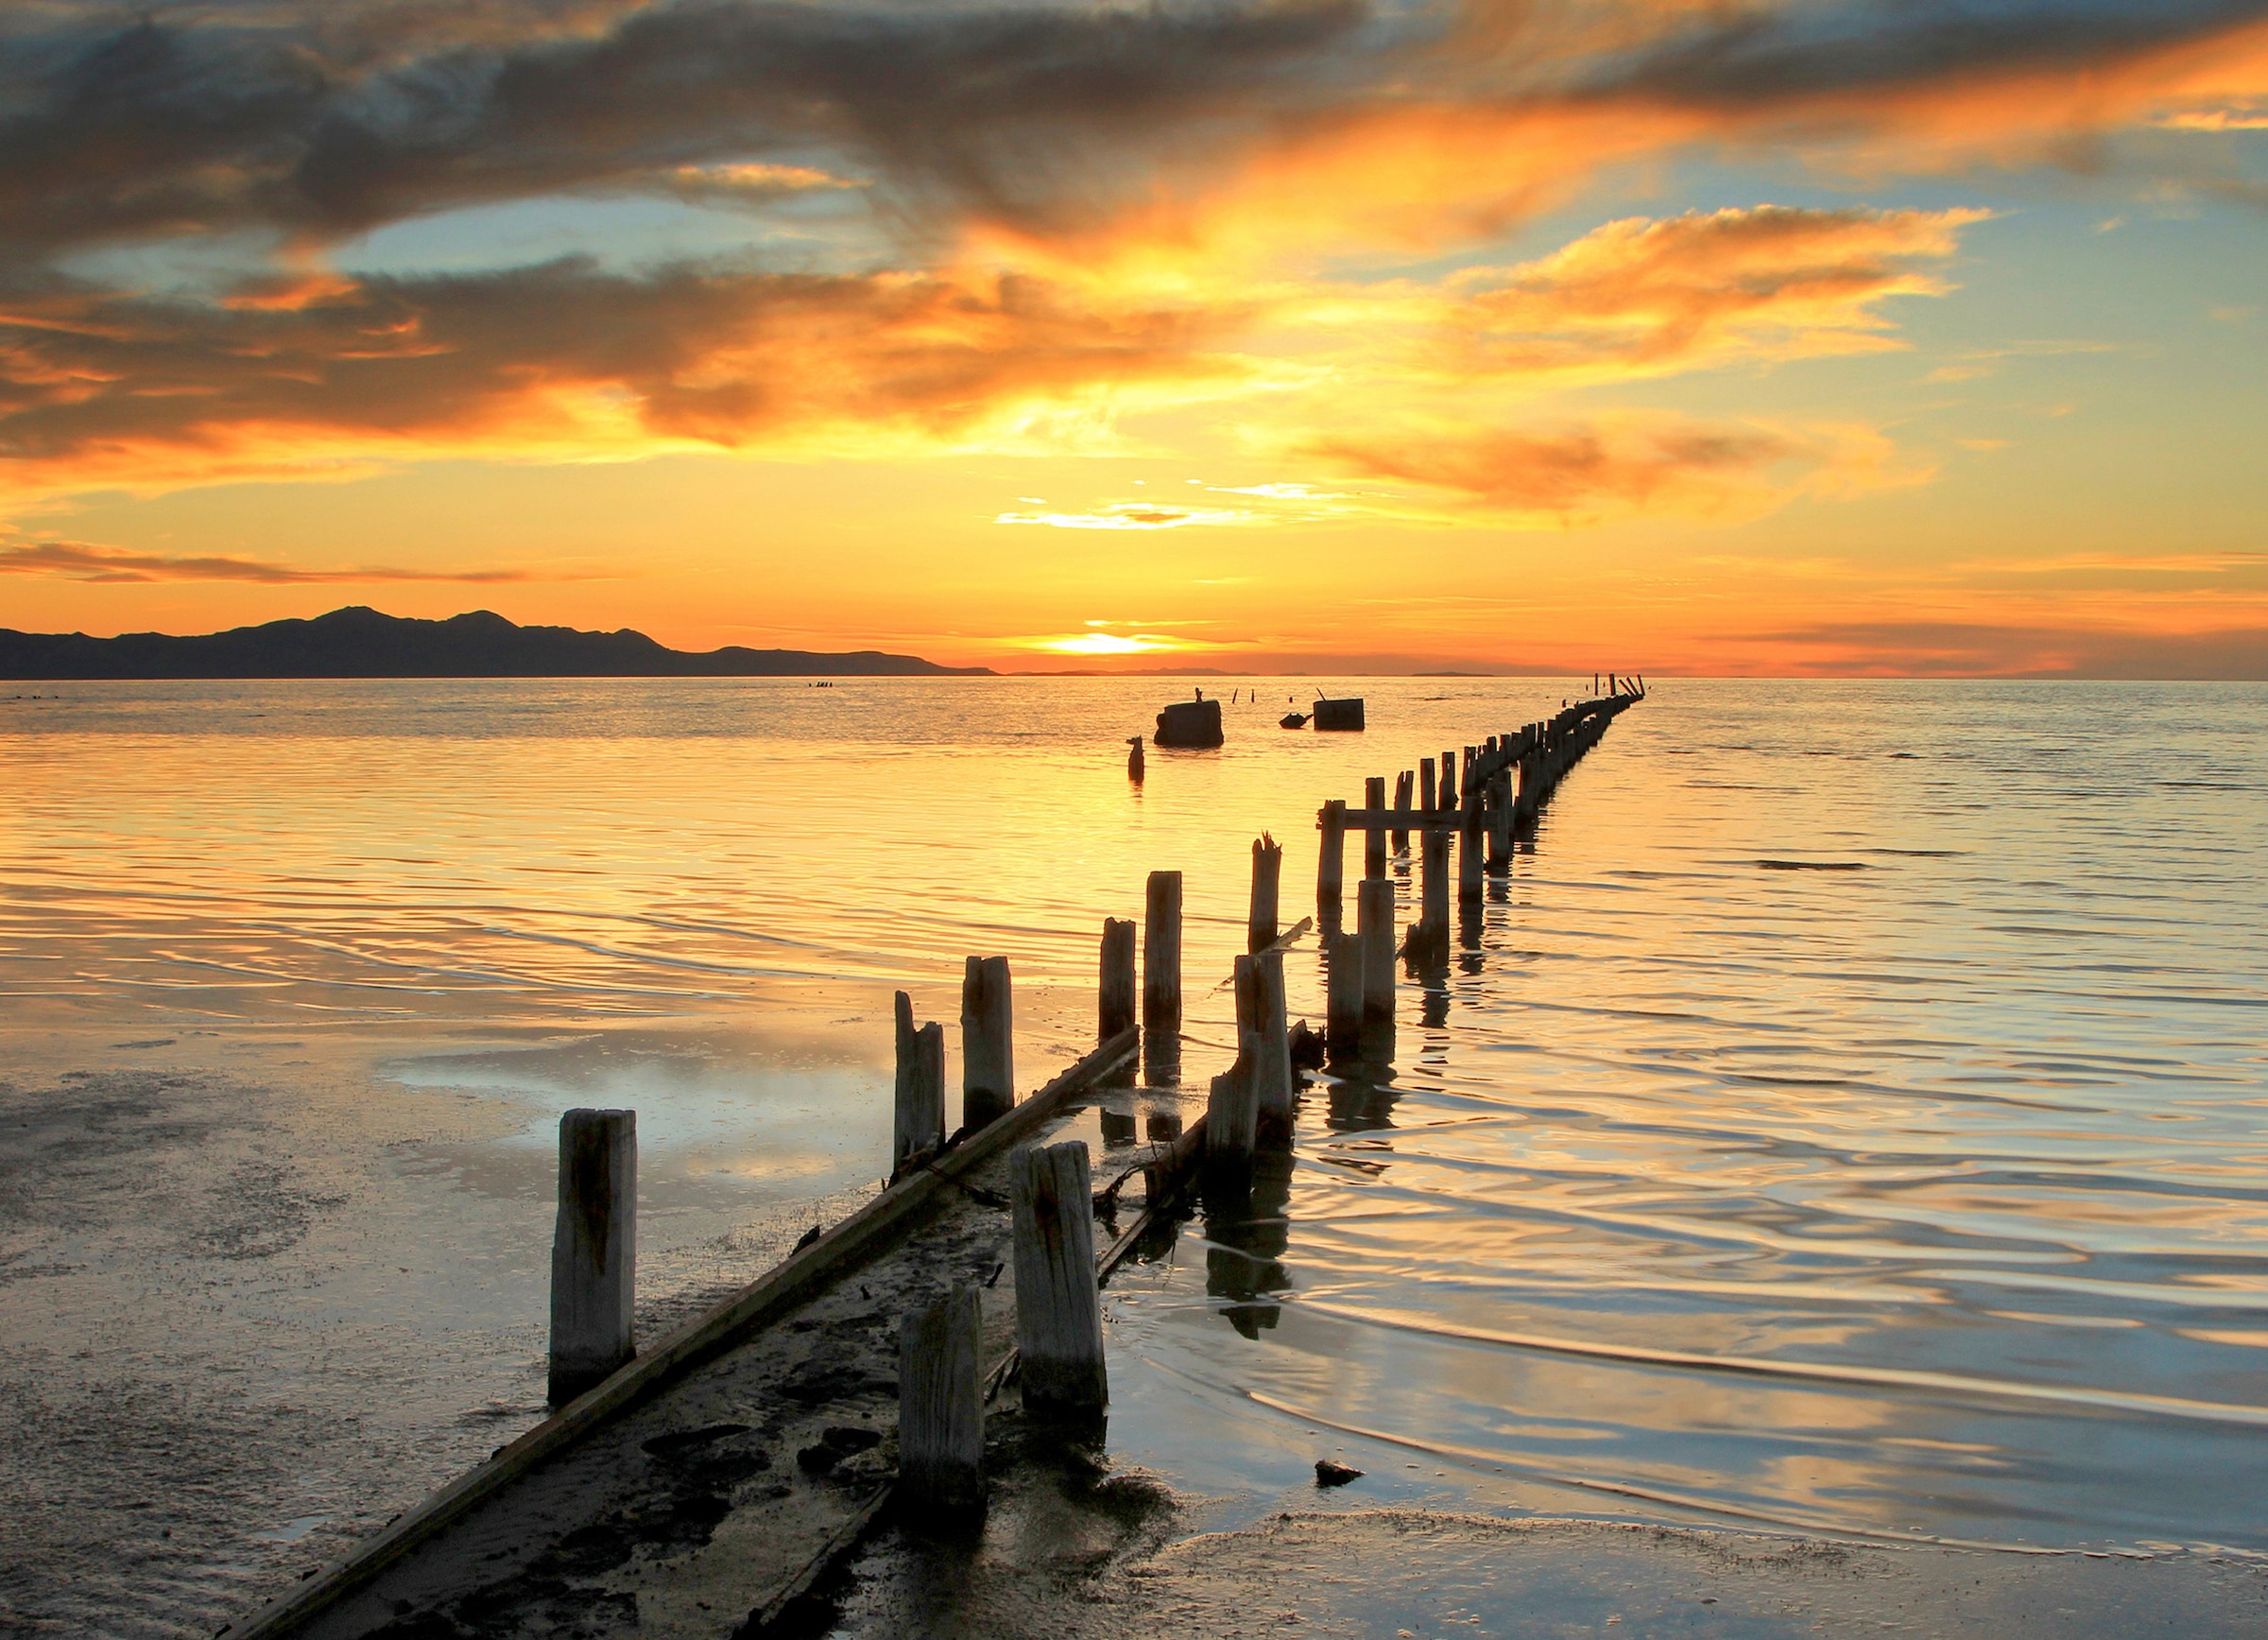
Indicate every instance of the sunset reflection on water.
{"type": "Point", "coordinates": [1954, 1151]}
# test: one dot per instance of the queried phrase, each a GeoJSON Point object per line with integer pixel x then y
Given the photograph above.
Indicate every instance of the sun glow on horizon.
{"type": "Point", "coordinates": [1105, 644]}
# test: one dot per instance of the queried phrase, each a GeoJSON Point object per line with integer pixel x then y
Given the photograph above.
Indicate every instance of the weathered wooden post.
{"type": "Point", "coordinates": [1232, 1111]}
{"type": "Point", "coordinates": [593, 1251]}
{"type": "Point", "coordinates": [1260, 1010]}
{"type": "Point", "coordinates": [1449, 780]}
{"type": "Point", "coordinates": [1374, 925]}
{"type": "Point", "coordinates": [1161, 954]}
{"type": "Point", "coordinates": [1401, 811]}
{"type": "Point", "coordinates": [941, 1404]}
{"type": "Point", "coordinates": [1343, 994]}
{"type": "Point", "coordinates": [987, 1042]}
{"type": "Point", "coordinates": [1434, 913]}
{"type": "Point", "coordinates": [1331, 865]}
{"type": "Point", "coordinates": [1472, 829]}
{"type": "Point", "coordinates": [1114, 1008]}
{"type": "Point", "coordinates": [1425, 785]}
{"type": "Point", "coordinates": [1374, 834]}
{"type": "Point", "coordinates": [918, 1124]}
{"type": "Point", "coordinates": [1267, 877]}
{"type": "Point", "coordinates": [1058, 1308]}
{"type": "Point", "coordinates": [1499, 822]}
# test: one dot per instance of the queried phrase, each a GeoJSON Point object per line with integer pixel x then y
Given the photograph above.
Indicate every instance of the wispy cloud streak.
{"type": "Point", "coordinates": [78, 560]}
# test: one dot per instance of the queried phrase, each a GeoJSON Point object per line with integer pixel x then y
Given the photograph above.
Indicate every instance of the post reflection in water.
{"type": "Point", "coordinates": [1246, 1229]}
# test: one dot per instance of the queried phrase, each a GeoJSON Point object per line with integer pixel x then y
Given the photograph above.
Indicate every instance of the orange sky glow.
{"type": "Point", "coordinates": [1802, 337]}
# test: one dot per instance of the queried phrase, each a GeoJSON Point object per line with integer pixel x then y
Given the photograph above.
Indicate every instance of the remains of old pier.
{"type": "Point", "coordinates": [657, 1495]}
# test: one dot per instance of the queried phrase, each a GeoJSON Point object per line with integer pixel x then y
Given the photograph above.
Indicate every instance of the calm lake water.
{"type": "Point", "coordinates": [1853, 1114]}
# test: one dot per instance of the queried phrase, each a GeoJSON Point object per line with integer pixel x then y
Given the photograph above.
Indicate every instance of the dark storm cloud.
{"type": "Point", "coordinates": [1766, 57]}
{"type": "Point", "coordinates": [163, 126]}
{"type": "Point", "coordinates": [320, 121]}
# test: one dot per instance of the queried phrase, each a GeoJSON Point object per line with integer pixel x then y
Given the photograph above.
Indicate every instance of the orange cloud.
{"type": "Point", "coordinates": [564, 362]}
{"type": "Point", "coordinates": [1624, 465]}
{"type": "Point", "coordinates": [1638, 295]}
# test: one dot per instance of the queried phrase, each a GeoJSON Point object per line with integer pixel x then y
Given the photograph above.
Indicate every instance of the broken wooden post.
{"type": "Point", "coordinates": [1267, 875]}
{"type": "Point", "coordinates": [941, 1404]}
{"type": "Point", "coordinates": [987, 1042]}
{"type": "Point", "coordinates": [1114, 1008]}
{"type": "Point", "coordinates": [1330, 866]}
{"type": "Point", "coordinates": [1232, 1111]}
{"type": "Point", "coordinates": [1058, 1307]}
{"type": "Point", "coordinates": [1374, 925]}
{"type": "Point", "coordinates": [1374, 835]}
{"type": "Point", "coordinates": [1161, 955]}
{"type": "Point", "coordinates": [1401, 811]}
{"type": "Point", "coordinates": [1342, 993]}
{"type": "Point", "coordinates": [1260, 1010]}
{"type": "Point", "coordinates": [918, 1126]}
{"type": "Point", "coordinates": [593, 1251]}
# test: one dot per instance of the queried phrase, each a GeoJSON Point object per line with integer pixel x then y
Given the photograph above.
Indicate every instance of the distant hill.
{"type": "Point", "coordinates": [361, 643]}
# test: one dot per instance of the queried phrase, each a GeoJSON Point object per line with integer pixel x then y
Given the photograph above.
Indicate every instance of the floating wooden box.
{"type": "Point", "coordinates": [1196, 723]}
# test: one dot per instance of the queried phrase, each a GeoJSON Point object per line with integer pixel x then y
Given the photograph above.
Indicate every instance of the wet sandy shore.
{"type": "Point", "coordinates": [1049, 1563]}
{"type": "Point", "coordinates": [254, 1304]}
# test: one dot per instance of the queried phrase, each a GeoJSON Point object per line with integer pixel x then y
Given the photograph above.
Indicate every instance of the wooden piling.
{"type": "Point", "coordinates": [1331, 865]}
{"type": "Point", "coordinates": [1425, 785]}
{"type": "Point", "coordinates": [987, 1042]}
{"type": "Point", "coordinates": [1449, 780]}
{"type": "Point", "coordinates": [1114, 1008]}
{"type": "Point", "coordinates": [1374, 835]}
{"type": "Point", "coordinates": [1343, 994]}
{"type": "Point", "coordinates": [1161, 954]}
{"type": "Point", "coordinates": [1058, 1308]}
{"type": "Point", "coordinates": [1374, 925]}
{"type": "Point", "coordinates": [1261, 1011]}
{"type": "Point", "coordinates": [941, 1405]}
{"type": "Point", "coordinates": [1433, 886]}
{"type": "Point", "coordinates": [1470, 863]}
{"type": "Point", "coordinates": [593, 1251]}
{"type": "Point", "coordinates": [1232, 1110]}
{"type": "Point", "coordinates": [1267, 877]}
{"type": "Point", "coordinates": [1499, 823]}
{"type": "Point", "coordinates": [918, 1126]}
{"type": "Point", "coordinates": [1402, 783]}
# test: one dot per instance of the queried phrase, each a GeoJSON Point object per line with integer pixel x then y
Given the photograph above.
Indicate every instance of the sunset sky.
{"type": "Point", "coordinates": [1662, 334]}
